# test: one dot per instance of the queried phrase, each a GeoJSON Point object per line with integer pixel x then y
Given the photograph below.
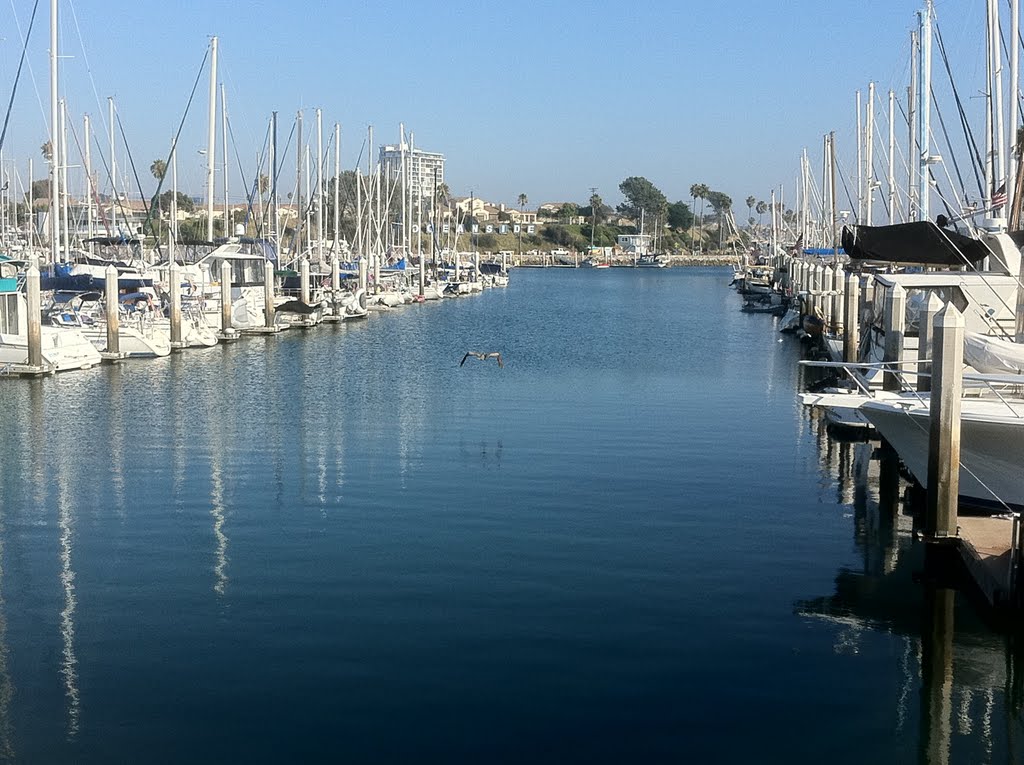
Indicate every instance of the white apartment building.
{"type": "Point", "coordinates": [421, 165]}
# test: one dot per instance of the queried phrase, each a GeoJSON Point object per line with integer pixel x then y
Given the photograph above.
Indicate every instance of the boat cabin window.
{"type": "Point", "coordinates": [917, 298]}
{"type": "Point", "coordinates": [245, 272]}
{"type": "Point", "coordinates": [9, 314]}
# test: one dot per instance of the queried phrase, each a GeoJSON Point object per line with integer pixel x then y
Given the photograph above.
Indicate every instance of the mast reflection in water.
{"type": "Point", "coordinates": [335, 545]}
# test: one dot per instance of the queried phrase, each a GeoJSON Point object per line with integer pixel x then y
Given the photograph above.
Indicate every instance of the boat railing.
{"type": "Point", "coordinates": [856, 372]}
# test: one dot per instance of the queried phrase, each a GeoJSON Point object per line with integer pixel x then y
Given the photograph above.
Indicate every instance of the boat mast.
{"type": "Point", "coordinates": [999, 138]}
{"type": "Point", "coordinates": [113, 166]}
{"type": "Point", "coordinates": [224, 145]}
{"type": "Point", "coordinates": [1011, 168]}
{"type": "Point", "coordinates": [54, 175]}
{"type": "Point", "coordinates": [869, 155]}
{"type": "Point", "coordinates": [892, 158]}
{"type": "Point", "coordinates": [408, 191]}
{"type": "Point", "coordinates": [64, 214]}
{"type": "Point", "coordinates": [298, 184]}
{"type": "Point", "coordinates": [273, 184]}
{"type": "Point", "coordinates": [912, 155]}
{"type": "Point", "coordinates": [319, 186]}
{"type": "Point", "coordinates": [860, 163]}
{"type": "Point", "coordinates": [402, 180]}
{"type": "Point", "coordinates": [88, 182]}
{"type": "Point", "coordinates": [336, 247]}
{"type": "Point", "coordinates": [211, 139]}
{"type": "Point", "coordinates": [832, 181]}
{"type": "Point", "coordinates": [924, 102]}
{"type": "Point", "coordinates": [174, 198]}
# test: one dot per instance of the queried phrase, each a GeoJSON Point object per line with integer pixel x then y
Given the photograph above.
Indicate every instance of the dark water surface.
{"type": "Point", "coordinates": [628, 545]}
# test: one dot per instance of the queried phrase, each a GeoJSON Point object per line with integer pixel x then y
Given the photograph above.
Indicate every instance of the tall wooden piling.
{"type": "Point", "coordinates": [827, 277]}
{"type": "Point", "coordinates": [838, 288]}
{"type": "Point", "coordinates": [34, 318]}
{"type": "Point", "coordinates": [944, 434]}
{"type": "Point", "coordinates": [174, 285]}
{"type": "Point", "coordinates": [225, 298]}
{"type": "Point", "coordinates": [335, 284]}
{"type": "Point", "coordinates": [476, 266]}
{"type": "Point", "coordinates": [851, 319]}
{"type": "Point", "coordinates": [924, 342]}
{"type": "Point", "coordinates": [363, 274]}
{"type": "Point", "coordinates": [113, 317]}
{"type": "Point", "coordinates": [268, 295]}
{"type": "Point", "coordinates": [893, 322]}
{"type": "Point", "coordinates": [304, 280]}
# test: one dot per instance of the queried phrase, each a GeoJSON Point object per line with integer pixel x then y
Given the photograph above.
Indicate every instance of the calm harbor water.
{"type": "Point", "coordinates": [628, 545]}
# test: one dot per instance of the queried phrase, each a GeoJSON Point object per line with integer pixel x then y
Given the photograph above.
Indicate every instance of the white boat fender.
{"type": "Point", "coordinates": [361, 298]}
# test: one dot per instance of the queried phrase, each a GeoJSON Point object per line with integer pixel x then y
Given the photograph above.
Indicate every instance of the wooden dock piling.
{"type": "Point", "coordinates": [924, 342]}
{"type": "Point", "coordinates": [944, 437]}
{"type": "Point", "coordinates": [268, 295]}
{"type": "Point", "coordinates": [35, 319]}
{"type": "Point", "coordinates": [851, 319]}
{"type": "Point", "coordinates": [827, 278]}
{"type": "Point", "coordinates": [227, 332]}
{"type": "Point", "coordinates": [174, 283]}
{"type": "Point", "coordinates": [113, 316]}
{"type": "Point", "coordinates": [304, 280]}
{"type": "Point", "coordinates": [893, 321]}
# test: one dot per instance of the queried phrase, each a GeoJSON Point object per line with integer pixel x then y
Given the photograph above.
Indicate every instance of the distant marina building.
{"type": "Point", "coordinates": [420, 164]}
{"type": "Point", "coordinates": [635, 244]}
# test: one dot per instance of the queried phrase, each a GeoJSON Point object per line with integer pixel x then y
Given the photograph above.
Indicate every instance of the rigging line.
{"type": "Point", "coordinates": [138, 183]}
{"type": "Point", "coordinates": [88, 68]}
{"type": "Point", "coordinates": [174, 146]}
{"type": "Point", "coordinates": [31, 71]}
{"type": "Point", "coordinates": [1006, 54]}
{"type": "Point", "coordinates": [241, 170]}
{"type": "Point", "coordinates": [17, 77]}
{"type": "Point", "coordinates": [276, 173]}
{"type": "Point", "coordinates": [262, 158]}
{"type": "Point", "coordinates": [949, 145]}
{"type": "Point", "coordinates": [984, 278]}
{"type": "Point", "coordinates": [964, 122]}
{"type": "Point", "coordinates": [846, 188]}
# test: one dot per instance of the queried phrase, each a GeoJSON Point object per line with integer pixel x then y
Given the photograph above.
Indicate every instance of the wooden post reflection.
{"type": "Point", "coordinates": [936, 676]}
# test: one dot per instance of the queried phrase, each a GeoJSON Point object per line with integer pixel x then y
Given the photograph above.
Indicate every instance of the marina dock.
{"type": "Point", "coordinates": [911, 387]}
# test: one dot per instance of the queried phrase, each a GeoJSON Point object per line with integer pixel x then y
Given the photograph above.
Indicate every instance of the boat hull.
{"type": "Point", "coordinates": [991, 445]}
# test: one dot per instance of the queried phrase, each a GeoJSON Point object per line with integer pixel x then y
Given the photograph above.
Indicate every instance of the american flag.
{"type": "Point", "coordinates": [999, 197]}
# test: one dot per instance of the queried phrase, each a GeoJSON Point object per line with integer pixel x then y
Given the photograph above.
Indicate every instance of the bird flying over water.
{"type": "Point", "coordinates": [482, 357]}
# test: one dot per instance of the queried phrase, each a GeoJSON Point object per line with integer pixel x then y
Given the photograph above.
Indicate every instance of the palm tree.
{"type": "Point", "coordinates": [158, 169]}
{"type": "Point", "coordinates": [595, 205]}
{"type": "Point", "coordinates": [762, 208]}
{"type": "Point", "coordinates": [700, 191]}
{"type": "Point", "coordinates": [751, 201]}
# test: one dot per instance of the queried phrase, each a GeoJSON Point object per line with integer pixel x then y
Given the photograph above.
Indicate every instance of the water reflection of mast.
{"type": "Point", "coordinates": [69, 663]}
{"type": "Point", "coordinates": [116, 434]}
{"type": "Point", "coordinates": [217, 510]}
{"type": "Point", "coordinates": [6, 689]}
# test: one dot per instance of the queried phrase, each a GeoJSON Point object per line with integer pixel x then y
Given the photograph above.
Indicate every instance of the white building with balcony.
{"type": "Point", "coordinates": [420, 165]}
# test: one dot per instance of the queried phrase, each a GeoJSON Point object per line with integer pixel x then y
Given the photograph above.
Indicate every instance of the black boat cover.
{"type": "Point", "coordinates": [919, 242]}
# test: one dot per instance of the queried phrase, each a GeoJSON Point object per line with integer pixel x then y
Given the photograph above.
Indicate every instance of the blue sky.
{"type": "Point", "coordinates": [548, 99]}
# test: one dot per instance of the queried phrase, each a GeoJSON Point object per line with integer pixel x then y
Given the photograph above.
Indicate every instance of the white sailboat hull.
{"type": "Point", "coordinates": [991, 444]}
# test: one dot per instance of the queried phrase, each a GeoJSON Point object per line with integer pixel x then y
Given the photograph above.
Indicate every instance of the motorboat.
{"type": "Point", "coordinates": [63, 348]}
{"type": "Point", "coordinates": [991, 442]}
